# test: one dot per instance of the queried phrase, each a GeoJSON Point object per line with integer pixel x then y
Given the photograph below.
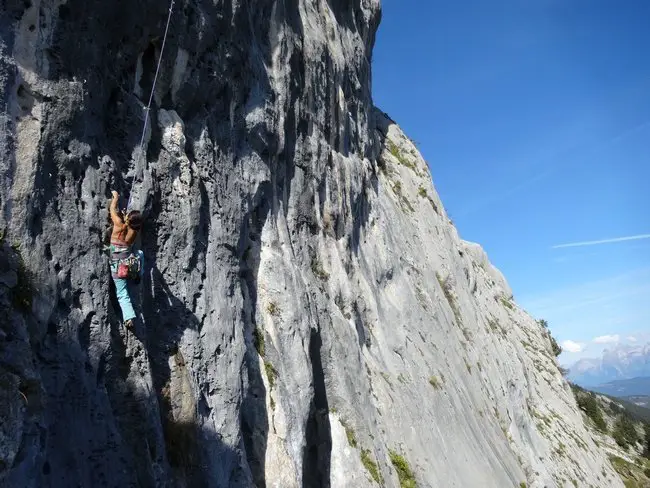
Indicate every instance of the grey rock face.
{"type": "Point", "coordinates": [308, 312]}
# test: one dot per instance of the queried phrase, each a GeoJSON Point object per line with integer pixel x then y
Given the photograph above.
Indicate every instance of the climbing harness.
{"type": "Point", "coordinates": [125, 264]}
{"type": "Point", "coordinates": [129, 268]}
{"type": "Point", "coordinates": [142, 154]}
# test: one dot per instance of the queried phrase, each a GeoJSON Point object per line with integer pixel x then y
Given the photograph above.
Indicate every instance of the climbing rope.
{"type": "Point", "coordinates": [146, 112]}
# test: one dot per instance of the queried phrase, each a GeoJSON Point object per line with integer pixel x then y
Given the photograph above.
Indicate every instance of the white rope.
{"type": "Point", "coordinates": [153, 90]}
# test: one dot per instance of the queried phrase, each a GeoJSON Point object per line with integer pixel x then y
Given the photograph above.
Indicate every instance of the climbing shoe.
{"type": "Point", "coordinates": [129, 324]}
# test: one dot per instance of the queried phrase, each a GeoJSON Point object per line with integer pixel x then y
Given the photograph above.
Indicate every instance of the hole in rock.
{"type": "Point", "coordinates": [148, 70]}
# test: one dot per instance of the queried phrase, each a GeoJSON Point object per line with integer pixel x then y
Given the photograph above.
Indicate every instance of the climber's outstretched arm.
{"type": "Point", "coordinates": [115, 216]}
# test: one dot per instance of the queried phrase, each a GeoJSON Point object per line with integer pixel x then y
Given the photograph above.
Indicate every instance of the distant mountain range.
{"type": "Point", "coordinates": [634, 387]}
{"type": "Point", "coordinates": [621, 362]}
{"type": "Point", "coordinates": [639, 400]}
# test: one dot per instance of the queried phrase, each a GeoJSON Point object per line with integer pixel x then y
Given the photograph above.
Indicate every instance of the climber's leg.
{"type": "Point", "coordinates": [122, 292]}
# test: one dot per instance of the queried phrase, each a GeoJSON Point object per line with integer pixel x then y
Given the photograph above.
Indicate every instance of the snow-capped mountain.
{"type": "Point", "coordinates": [617, 363]}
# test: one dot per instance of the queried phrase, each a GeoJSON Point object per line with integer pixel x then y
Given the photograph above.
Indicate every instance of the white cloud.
{"type": "Point", "coordinates": [631, 339]}
{"type": "Point", "coordinates": [572, 346]}
{"type": "Point", "coordinates": [602, 241]}
{"type": "Point", "coordinates": [607, 339]}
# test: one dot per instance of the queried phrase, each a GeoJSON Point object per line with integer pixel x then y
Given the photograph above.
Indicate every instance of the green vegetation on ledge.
{"type": "Point", "coordinates": [624, 432]}
{"type": "Point", "coordinates": [349, 433]}
{"type": "Point", "coordinates": [404, 473]}
{"type": "Point", "coordinates": [589, 405]}
{"type": "Point", "coordinates": [271, 373]}
{"type": "Point", "coordinates": [371, 466]}
{"type": "Point", "coordinates": [435, 382]}
{"type": "Point", "coordinates": [394, 150]}
{"type": "Point", "coordinates": [258, 341]}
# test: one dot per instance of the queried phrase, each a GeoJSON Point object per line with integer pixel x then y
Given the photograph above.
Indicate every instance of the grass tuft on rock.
{"type": "Point", "coordinates": [394, 150]}
{"type": "Point", "coordinates": [371, 466]}
{"type": "Point", "coordinates": [349, 433]}
{"type": "Point", "coordinates": [507, 302]}
{"type": "Point", "coordinates": [435, 382]}
{"type": "Point", "coordinates": [404, 473]}
{"type": "Point", "coordinates": [271, 373]}
{"type": "Point", "coordinates": [404, 202]}
{"type": "Point", "coordinates": [273, 309]}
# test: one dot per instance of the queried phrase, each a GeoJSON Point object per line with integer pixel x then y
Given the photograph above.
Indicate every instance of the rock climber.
{"type": "Point", "coordinates": [125, 265]}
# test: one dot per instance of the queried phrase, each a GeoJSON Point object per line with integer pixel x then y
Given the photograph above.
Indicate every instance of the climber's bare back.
{"type": "Point", "coordinates": [121, 231]}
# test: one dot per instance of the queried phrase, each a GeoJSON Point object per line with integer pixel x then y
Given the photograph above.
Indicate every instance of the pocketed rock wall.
{"type": "Point", "coordinates": [309, 316]}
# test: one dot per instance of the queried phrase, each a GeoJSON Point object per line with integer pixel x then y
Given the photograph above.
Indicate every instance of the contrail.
{"type": "Point", "coordinates": [603, 241]}
{"type": "Point", "coordinates": [629, 132]}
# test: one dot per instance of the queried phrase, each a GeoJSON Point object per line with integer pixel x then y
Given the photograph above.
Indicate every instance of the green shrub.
{"type": "Point", "coordinates": [404, 473]}
{"type": "Point", "coordinates": [589, 405]}
{"type": "Point", "coordinates": [615, 409]}
{"type": "Point", "coordinates": [423, 193]}
{"type": "Point", "coordinates": [273, 309]}
{"type": "Point", "coordinates": [557, 349]}
{"type": "Point", "coordinates": [619, 438]}
{"type": "Point", "coordinates": [507, 302]}
{"type": "Point", "coordinates": [271, 373]}
{"type": "Point", "coordinates": [435, 382]}
{"type": "Point", "coordinates": [394, 150]}
{"type": "Point", "coordinates": [349, 433]}
{"type": "Point", "coordinates": [624, 432]}
{"type": "Point", "coordinates": [369, 463]}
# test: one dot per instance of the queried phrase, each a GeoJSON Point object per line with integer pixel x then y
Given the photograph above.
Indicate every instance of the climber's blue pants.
{"type": "Point", "coordinates": [122, 291]}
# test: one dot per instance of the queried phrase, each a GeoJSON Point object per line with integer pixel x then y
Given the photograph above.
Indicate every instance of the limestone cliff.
{"type": "Point", "coordinates": [309, 315]}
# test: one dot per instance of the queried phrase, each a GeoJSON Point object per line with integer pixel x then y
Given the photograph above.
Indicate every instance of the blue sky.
{"type": "Point", "coordinates": [534, 117]}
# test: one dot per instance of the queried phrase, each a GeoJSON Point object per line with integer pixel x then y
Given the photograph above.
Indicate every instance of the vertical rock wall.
{"type": "Point", "coordinates": [309, 316]}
